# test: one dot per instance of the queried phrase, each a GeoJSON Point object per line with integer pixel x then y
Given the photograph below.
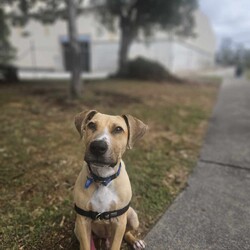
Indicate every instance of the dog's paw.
{"type": "Point", "coordinates": [139, 244]}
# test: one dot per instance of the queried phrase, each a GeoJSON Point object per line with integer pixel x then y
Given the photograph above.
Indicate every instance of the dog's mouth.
{"type": "Point", "coordinates": [101, 164]}
{"type": "Point", "coordinates": [100, 161]}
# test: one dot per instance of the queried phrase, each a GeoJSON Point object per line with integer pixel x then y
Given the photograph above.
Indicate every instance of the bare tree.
{"type": "Point", "coordinates": [48, 11]}
{"type": "Point", "coordinates": [76, 83]}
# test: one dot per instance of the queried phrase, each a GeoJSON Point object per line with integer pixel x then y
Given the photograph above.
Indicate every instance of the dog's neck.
{"type": "Point", "coordinates": [104, 171]}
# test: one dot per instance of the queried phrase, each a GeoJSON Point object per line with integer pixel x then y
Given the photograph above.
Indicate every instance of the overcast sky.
{"type": "Point", "coordinates": [229, 18]}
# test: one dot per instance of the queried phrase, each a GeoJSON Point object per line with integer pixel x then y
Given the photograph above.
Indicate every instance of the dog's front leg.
{"type": "Point", "coordinates": [118, 230]}
{"type": "Point", "coordinates": [83, 232]}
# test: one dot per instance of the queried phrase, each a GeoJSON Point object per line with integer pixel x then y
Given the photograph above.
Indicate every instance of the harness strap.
{"type": "Point", "coordinates": [101, 216]}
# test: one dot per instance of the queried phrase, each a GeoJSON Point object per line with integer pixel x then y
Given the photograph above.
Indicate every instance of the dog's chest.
{"type": "Point", "coordinates": [103, 198]}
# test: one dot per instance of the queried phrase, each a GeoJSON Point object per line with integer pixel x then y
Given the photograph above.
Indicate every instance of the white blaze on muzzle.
{"type": "Point", "coordinates": [104, 136]}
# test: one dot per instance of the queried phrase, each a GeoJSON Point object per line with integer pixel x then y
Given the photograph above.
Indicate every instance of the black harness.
{"type": "Point", "coordinates": [101, 216]}
{"type": "Point", "coordinates": [104, 181]}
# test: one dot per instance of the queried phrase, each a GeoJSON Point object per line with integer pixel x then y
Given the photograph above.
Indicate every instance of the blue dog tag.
{"type": "Point", "coordinates": [88, 182]}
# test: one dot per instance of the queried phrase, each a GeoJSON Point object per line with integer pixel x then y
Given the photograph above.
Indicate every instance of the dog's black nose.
{"type": "Point", "coordinates": [98, 147]}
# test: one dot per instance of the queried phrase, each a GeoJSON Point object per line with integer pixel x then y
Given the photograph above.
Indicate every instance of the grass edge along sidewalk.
{"type": "Point", "coordinates": [213, 211]}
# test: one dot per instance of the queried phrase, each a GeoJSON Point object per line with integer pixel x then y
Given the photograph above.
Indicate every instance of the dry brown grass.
{"type": "Point", "coordinates": [41, 154]}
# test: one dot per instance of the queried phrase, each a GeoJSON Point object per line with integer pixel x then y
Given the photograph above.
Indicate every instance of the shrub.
{"type": "Point", "coordinates": [145, 69]}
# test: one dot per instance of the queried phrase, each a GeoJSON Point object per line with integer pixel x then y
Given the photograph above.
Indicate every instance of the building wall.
{"type": "Point", "coordinates": [104, 56]}
{"type": "Point", "coordinates": [181, 54]}
{"type": "Point", "coordinates": [42, 48]}
{"type": "Point", "coordinates": [204, 35]}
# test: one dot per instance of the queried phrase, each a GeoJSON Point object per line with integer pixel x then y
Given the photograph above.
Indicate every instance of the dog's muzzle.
{"type": "Point", "coordinates": [97, 154]}
{"type": "Point", "coordinates": [98, 148]}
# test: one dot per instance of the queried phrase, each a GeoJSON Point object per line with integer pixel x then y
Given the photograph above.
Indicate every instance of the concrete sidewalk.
{"type": "Point", "coordinates": [213, 212]}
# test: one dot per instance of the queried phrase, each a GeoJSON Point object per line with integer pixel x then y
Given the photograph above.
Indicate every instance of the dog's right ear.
{"type": "Point", "coordinates": [82, 118]}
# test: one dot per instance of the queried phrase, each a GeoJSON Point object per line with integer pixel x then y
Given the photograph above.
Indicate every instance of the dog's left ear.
{"type": "Point", "coordinates": [82, 118]}
{"type": "Point", "coordinates": [136, 129]}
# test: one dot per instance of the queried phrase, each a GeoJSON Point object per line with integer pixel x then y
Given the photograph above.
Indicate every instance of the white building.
{"type": "Point", "coordinates": [46, 47]}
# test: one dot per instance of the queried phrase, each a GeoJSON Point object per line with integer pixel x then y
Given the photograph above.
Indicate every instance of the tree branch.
{"type": "Point", "coordinates": [132, 7]}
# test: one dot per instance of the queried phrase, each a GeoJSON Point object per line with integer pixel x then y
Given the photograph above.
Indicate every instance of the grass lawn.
{"type": "Point", "coordinates": [41, 154]}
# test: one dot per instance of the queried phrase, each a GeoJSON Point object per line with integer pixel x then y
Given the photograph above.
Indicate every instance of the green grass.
{"type": "Point", "coordinates": [41, 155]}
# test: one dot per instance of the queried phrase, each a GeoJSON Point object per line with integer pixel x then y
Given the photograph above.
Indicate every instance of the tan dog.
{"type": "Point", "coordinates": [102, 192]}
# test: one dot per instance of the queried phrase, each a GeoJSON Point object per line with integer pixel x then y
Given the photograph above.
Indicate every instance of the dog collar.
{"type": "Point", "coordinates": [103, 180]}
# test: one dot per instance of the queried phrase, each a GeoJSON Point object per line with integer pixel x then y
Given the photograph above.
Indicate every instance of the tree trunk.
{"type": "Point", "coordinates": [76, 83]}
{"type": "Point", "coordinates": [125, 42]}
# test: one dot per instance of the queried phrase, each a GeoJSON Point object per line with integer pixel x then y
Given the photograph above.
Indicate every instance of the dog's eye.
{"type": "Point", "coordinates": [91, 126]}
{"type": "Point", "coordinates": [118, 129]}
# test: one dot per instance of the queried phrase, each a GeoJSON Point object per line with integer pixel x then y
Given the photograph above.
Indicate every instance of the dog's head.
{"type": "Point", "coordinates": [106, 137]}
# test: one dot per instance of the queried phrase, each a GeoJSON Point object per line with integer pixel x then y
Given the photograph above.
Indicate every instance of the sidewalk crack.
{"type": "Point", "coordinates": [228, 165]}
